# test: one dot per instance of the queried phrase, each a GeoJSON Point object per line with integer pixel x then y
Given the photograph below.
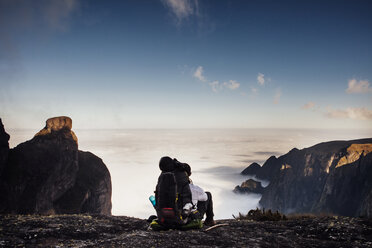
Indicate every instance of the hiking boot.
{"type": "Point", "coordinates": [209, 222]}
{"type": "Point", "coordinates": [151, 218]}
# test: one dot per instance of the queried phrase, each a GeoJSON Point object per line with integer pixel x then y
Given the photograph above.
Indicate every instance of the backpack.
{"type": "Point", "coordinates": [172, 193]}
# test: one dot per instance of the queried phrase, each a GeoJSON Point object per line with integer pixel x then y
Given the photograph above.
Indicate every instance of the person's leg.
{"type": "Point", "coordinates": [202, 208]}
{"type": "Point", "coordinates": [209, 210]}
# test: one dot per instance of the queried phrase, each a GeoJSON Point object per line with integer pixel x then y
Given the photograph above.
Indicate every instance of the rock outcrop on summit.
{"type": "Point", "coordinates": [49, 175]}
{"type": "Point", "coordinates": [333, 177]}
{"type": "Point", "coordinates": [250, 186]}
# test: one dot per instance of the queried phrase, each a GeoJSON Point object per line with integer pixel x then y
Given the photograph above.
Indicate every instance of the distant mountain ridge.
{"type": "Point", "coordinates": [333, 177]}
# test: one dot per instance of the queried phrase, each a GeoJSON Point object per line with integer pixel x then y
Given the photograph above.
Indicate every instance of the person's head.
{"type": "Point", "coordinates": [166, 164]}
{"type": "Point", "coordinates": [187, 169]}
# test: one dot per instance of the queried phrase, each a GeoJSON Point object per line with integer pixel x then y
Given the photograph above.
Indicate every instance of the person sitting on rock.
{"type": "Point", "coordinates": [201, 200]}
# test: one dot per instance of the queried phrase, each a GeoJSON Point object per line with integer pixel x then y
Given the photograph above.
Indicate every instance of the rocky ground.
{"type": "Point", "coordinates": [120, 231]}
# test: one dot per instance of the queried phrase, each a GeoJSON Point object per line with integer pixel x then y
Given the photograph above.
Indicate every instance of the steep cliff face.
{"type": "Point", "coordinates": [348, 187]}
{"type": "Point", "coordinates": [329, 177]}
{"type": "Point", "coordinates": [40, 173]}
{"type": "Point", "coordinates": [4, 146]}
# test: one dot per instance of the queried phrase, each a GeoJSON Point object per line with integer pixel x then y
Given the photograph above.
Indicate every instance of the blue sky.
{"type": "Point", "coordinates": [186, 63]}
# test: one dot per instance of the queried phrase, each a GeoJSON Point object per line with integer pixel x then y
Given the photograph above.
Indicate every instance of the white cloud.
{"type": "Point", "coordinates": [309, 105]}
{"type": "Point", "coordinates": [216, 86]}
{"type": "Point", "coordinates": [261, 79]}
{"type": "Point", "coordinates": [182, 8]}
{"type": "Point", "coordinates": [254, 90]}
{"type": "Point", "coordinates": [232, 84]}
{"type": "Point", "coordinates": [361, 86]}
{"type": "Point", "coordinates": [199, 74]}
{"type": "Point", "coordinates": [350, 113]}
{"type": "Point", "coordinates": [277, 96]}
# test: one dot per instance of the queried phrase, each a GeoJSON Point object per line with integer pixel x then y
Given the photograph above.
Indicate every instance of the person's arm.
{"type": "Point", "coordinates": [199, 193]}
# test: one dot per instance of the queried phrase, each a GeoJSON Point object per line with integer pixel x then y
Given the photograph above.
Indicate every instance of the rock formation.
{"type": "Point", "coordinates": [250, 186]}
{"type": "Point", "coordinates": [333, 177]}
{"type": "Point", "coordinates": [49, 175]}
{"type": "Point", "coordinates": [4, 146]}
{"type": "Point", "coordinates": [252, 169]}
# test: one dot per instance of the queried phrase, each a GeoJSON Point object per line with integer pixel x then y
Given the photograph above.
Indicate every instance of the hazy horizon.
{"type": "Point", "coordinates": [216, 157]}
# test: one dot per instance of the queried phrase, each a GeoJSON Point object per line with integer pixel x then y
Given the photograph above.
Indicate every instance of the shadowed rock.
{"type": "Point", "coordinates": [92, 190]}
{"type": "Point", "coordinates": [4, 146]}
{"type": "Point", "coordinates": [252, 169]}
{"type": "Point", "coordinates": [42, 174]}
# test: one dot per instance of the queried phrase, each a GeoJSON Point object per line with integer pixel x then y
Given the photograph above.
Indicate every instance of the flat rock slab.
{"type": "Point", "coordinates": [121, 231]}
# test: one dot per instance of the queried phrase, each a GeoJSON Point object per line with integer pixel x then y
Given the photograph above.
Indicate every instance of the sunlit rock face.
{"type": "Point", "coordinates": [49, 175]}
{"type": "Point", "coordinates": [348, 187]}
{"type": "Point", "coordinates": [57, 124]}
{"type": "Point", "coordinates": [249, 186]}
{"type": "Point", "coordinates": [333, 177]}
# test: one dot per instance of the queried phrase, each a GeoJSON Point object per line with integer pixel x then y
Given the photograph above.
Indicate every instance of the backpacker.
{"type": "Point", "coordinates": [172, 193]}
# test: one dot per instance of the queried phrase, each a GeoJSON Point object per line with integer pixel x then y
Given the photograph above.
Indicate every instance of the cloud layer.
{"type": "Point", "coordinates": [355, 87]}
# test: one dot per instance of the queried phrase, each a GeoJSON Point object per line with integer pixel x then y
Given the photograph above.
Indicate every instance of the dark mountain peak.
{"type": "Point", "coordinates": [252, 169]}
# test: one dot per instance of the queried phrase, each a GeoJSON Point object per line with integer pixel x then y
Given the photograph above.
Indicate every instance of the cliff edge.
{"type": "Point", "coordinates": [121, 231]}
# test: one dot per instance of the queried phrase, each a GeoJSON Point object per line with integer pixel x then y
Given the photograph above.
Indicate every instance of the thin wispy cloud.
{"type": "Point", "coordinates": [199, 74]}
{"type": "Point", "coordinates": [350, 113]}
{"type": "Point", "coordinates": [261, 79]}
{"type": "Point", "coordinates": [356, 87]}
{"type": "Point", "coordinates": [57, 13]}
{"type": "Point", "coordinates": [232, 84]}
{"type": "Point", "coordinates": [309, 105]}
{"type": "Point", "coordinates": [182, 9]}
{"type": "Point", "coordinates": [277, 96]}
{"type": "Point", "coordinates": [215, 85]}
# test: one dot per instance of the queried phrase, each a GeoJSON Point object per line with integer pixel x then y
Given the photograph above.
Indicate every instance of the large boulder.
{"type": "Point", "coordinates": [91, 192]}
{"type": "Point", "coordinates": [40, 173]}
